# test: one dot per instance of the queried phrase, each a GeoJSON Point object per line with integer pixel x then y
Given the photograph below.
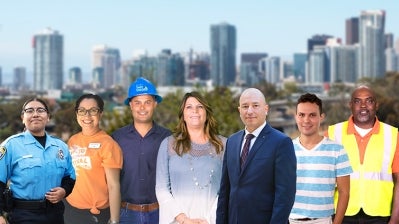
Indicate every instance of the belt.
{"type": "Point", "coordinates": [305, 219]}
{"type": "Point", "coordinates": [140, 208]}
{"type": "Point", "coordinates": [30, 205]}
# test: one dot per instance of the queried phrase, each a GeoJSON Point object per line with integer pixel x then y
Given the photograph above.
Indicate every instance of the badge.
{"type": "Point", "coordinates": [3, 151]}
{"type": "Point", "coordinates": [94, 145]}
{"type": "Point", "coordinates": [60, 154]}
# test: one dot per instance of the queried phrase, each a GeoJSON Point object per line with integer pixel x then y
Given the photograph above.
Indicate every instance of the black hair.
{"type": "Point", "coordinates": [35, 99]}
{"type": "Point", "coordinates": [311, 98]}
{"type": "Point", "coordinates": [97, 98]}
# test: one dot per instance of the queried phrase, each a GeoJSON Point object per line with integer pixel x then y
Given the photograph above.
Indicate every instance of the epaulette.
{"type": "Point", "coordinates": [12, 137]}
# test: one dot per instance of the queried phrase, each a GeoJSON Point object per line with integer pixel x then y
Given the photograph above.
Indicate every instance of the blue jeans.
{"type": "Point", "coordinates": [132, 217]}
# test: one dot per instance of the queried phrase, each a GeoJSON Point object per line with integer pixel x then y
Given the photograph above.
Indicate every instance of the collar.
{"type": "Point", "coordinates": [352, 130]}
{"type": "Point", "coordinates": [257, 131]}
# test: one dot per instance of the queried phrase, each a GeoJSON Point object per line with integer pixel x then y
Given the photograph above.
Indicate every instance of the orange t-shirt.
{"type": "Point", "coordinates": [90, 155]}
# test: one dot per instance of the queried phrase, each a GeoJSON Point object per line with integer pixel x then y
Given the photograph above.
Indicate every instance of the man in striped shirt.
{"type": "Point", "coordinates": [322, 166]}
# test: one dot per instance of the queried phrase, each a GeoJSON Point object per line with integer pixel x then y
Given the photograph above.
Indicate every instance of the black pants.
{"type": "Point", "coordinates": [74, 215]}
{"type": "Point", "coordinates": [52, 214]}
{"type": "Point", "coordinates": [363, 218]}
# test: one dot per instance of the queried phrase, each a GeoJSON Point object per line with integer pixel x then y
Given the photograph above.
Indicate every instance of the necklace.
{"type": "Point", "coordinates": [198, 151]}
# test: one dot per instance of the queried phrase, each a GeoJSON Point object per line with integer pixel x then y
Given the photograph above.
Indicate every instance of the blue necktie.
{"type": "Point", "coordinates": [245, 149]}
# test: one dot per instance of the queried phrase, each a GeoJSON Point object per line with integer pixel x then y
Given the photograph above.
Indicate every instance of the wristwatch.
{"type": "Point", "coordinates": [113, 222]}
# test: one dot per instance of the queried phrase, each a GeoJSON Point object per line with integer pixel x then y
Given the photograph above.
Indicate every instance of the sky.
{"type": "Point", "coordinates": [276, 27]}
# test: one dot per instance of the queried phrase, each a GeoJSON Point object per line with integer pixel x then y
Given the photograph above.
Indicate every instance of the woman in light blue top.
{"type": "Point", "coordinates": [189, 165]}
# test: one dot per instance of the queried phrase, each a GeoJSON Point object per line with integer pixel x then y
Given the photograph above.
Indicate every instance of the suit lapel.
{"type": "Point", "coordinates": [256, 146]}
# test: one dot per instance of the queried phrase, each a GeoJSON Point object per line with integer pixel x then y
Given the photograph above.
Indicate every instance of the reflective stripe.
{"type": "Point", "coordinates": [387, 148]}
{"type": "Point", "coordinates": [379, 176]}
{"type": "Point", "coordinates": [338, 132]}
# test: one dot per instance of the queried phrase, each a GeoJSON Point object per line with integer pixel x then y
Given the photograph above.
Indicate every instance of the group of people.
{"type": "Point", "coordinates": [144, 173]}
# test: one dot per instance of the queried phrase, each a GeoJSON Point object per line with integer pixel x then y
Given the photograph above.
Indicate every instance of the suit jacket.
{"type": "Point", "coordinates": [264, 190]}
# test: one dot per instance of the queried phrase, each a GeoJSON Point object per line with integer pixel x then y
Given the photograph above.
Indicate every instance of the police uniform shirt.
{"type": "Point", "coordinates": [33, 169]}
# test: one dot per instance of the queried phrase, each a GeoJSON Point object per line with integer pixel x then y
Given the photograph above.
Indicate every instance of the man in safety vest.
{"type": "Point", "coordinates": [373, 151]}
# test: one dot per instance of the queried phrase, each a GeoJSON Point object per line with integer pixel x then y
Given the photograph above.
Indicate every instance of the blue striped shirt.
{"type": "Point", "coordinates": [317, 170]}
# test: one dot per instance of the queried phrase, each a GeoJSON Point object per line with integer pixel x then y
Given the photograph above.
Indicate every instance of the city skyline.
{"type": "Point", "coordinates": [279, 28]}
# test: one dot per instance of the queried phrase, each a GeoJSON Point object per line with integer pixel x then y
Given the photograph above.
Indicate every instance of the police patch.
{"type": "Point", "coordinates": [3, 151]}
{"type": "Point", "coordinates": [60, 154]}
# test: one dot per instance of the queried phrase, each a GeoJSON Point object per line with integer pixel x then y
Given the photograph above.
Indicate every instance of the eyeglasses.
{"type": "Point", "coordinates": [92, 111]}
{"type": "Point", "coordinates": [31, 110]}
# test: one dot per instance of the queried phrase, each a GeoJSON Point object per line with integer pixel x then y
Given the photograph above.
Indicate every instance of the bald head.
{"type": "Point", "coordinates": [253, 108]}
{"type": "Point", "coordinates": [362, 88]}
{"type": "Point", "coordinates": [253, 93]}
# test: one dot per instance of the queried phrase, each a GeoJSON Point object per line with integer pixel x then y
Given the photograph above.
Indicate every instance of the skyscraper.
{"type": "Point", "coordinates": [388, 40]}
{"type": "Point", "coordinates": [299, 66]}
{"type": "Point", "coordinates": [109, 60]}
{"type": "Point", "coordinates": [19, 79]}
{"type": "Point", "coordinates": [317, 40]}
{"type": "Point", "coordinates": [352, 30]}
{"type": "Point", "coordinates": [223, 54]}
{"type": "Point", "coordinates": [48, 60]}
{"type": "Point", "coordinates": [75, 76]}
{"type": "Point", "coordinates": [249, 68]}
{"type": "Point", "coordinates": [371, 44]}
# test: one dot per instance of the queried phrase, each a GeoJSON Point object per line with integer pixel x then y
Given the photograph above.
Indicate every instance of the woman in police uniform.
{"type": "Point", "coordinates": [39, 169]}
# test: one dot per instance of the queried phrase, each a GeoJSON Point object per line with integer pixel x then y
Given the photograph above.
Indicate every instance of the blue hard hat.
{"type": "Point", "coordinates": [142, 87]}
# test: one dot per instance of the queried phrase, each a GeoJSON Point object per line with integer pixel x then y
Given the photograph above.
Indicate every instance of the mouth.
{"type": "Point", "coordinates": [87, 121]}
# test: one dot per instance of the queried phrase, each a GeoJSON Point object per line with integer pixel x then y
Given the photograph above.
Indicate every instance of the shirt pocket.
{"type": "Point", "coordinates": [31, 167]}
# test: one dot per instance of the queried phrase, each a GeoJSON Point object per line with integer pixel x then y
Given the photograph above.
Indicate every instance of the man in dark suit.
{"type": "Point", "coordinates": [261, 187]}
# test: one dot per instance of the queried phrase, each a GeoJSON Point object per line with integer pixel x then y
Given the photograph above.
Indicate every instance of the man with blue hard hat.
{"type": "Point", "coordinates": [140, 142]}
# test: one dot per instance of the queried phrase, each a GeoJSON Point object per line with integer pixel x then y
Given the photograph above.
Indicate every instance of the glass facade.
{"type": "Point", "coordinates": [223, 54]}
{"type": "Point", "coordinates": [48, 60]}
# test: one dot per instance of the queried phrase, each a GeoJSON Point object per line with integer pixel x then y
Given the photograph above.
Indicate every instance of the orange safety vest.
{"type": "Point", "coordinates": [371, 184]}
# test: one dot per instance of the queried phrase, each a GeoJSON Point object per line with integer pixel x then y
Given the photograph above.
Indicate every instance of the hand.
{"type": "Point", "coordinates": [55, 195]}
{"type": "Point", "coordinates": [195, 221]}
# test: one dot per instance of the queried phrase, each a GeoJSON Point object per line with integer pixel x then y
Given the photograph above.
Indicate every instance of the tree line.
{"type": "Point", "coordinates": [224, 103]}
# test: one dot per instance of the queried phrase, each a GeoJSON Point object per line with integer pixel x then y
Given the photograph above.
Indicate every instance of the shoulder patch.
{"type": "Point", "coordinates": [3, 151]}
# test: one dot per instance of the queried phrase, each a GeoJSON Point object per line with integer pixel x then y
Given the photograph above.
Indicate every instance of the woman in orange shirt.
{"type": "Point", "coordinates": [97, 160]}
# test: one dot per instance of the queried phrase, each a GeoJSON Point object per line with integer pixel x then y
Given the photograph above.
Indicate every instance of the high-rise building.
{"type": "Point", "coordinates": [272, 69]}
{"type": "Point", "coordinates": [170, 71]}
{"type": "Point", "coordinates": [249, 72]}
{"type": "Point", "coordinates": [223, 54]}
{"type": "Point", "coordinates": [75, 76]}
{"type": "Point", "coordinates": [317, 40]}
{"type": "Point", "coordinates": [317, 66]}
{"type": "Point", "coordinates": [392, 59]}
{"type": "Point", "coordinates": [343, 63]}
{"type": "Point", "coordinates": [47, 60]}
{"type": "Point", "coordinates": [299, 66]}
{"type": "Point", "coordinates": [388, 40]}
{"type": "Point", "coordinates": [1, 78]}
{"type": "Point", "coordinates": [352, 30]}
{"type": "Point", "coordinates": [371, 44]}
{"type": "Point", "coordinates": [19, 79]}
{"type": "Point", "coordinates": [109, 60]}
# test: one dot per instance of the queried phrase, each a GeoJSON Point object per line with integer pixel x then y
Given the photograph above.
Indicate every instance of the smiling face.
{"type": "Point", "coordinates": [194, 113]}
{"type": "Point", "coordinates": [364, 107]}
{"type": "Point", "coordinates": [142, 108]}
{"type": "Point", "coordinates": [88, 115]}
{"type": "Point", "coordinates": [308, 118]}
{"type": "Point", "coordinates": [35, 117]}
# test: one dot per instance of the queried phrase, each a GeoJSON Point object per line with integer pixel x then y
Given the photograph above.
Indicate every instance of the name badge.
{"type": "Point", "coordinates": [94, 145]}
